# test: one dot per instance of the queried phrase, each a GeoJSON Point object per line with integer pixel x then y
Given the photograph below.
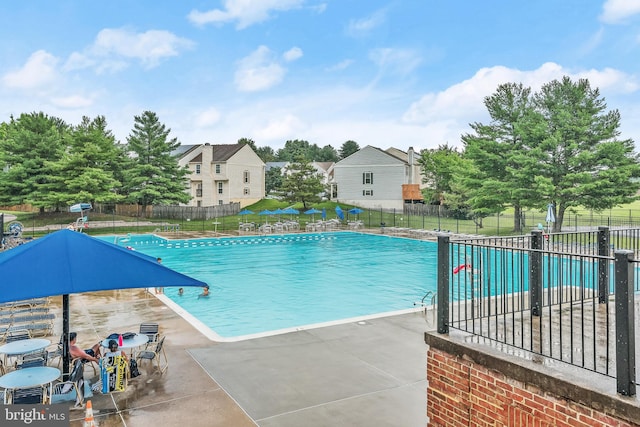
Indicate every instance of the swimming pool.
{"type": "Point", "coordinates": [266, 284]}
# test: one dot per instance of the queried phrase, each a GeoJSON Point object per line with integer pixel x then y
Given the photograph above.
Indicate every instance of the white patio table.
{"type": "Point", "coordinates": [129, 344]}
{"type": "Point", "coordinates": [22, 347]}
{"type": "Point", "coordinates": [28, 378]}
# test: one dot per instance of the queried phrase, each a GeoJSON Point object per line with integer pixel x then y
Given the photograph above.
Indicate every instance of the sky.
{"type": "Point", "coordinates": [394, 73]}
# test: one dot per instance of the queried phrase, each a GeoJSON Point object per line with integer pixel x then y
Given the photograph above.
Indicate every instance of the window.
{"type": "Point", "coordinates": [220, 202]}
{"type": "Point", "coordinates": [367, 192]}
{"type": "Point", "coordinates": [199, 190]}
{"type": "Point", "coordinates": [367, 177]}
{"type": "Point", "coordinates": [246, 191]}
{"type": "Point", "coordinates": [218, 168]}
{"type": "Point", "coordinates": [246, 177]}
{"type": "Point", "coordinates": [199, 203]}
{"type": "Point", "coordinates": [219, 188]}
{"type": "Point", "coordinates": [198, 166]}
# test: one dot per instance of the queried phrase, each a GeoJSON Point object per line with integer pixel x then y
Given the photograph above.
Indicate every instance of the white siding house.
{"type": "Point", "coordinates": [223, 173]}
{"type": "Point", "coordinates": [373, 178]}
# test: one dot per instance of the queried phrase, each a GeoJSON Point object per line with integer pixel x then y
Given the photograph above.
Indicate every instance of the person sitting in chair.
{"type": "Point", "coordinates": [92, 354]}
{"type": "Point", "coordinates": [113, 351]}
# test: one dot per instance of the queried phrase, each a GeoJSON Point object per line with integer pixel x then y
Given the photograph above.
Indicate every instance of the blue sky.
{"type": "Point", "coordinates": [395, 73]}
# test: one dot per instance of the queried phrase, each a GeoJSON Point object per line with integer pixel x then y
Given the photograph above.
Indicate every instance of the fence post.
{"type": "Point", "coordinates": [443, 284]}
{"type": "Point", "coordinates": [535, 273]}
{"type": "Point", "coordinates": [625, 329]}
{"type": "Point", "coordinates": [603, 264]}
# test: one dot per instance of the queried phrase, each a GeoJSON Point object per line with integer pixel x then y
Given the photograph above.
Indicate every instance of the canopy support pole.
{"type": "Point", "coordinates": [65, 337]}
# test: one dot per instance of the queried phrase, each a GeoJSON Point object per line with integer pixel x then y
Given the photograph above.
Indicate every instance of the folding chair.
{"type": "Point", "coordinates": [33, 359]}
{"type": "Point", "coordinates": [28, 396]}
{"type": "Point", "coordinates": [71, 389]}
{"type": "Point", "coordinates": [93, 364]}
{"type": "Point", "coordinates": [18, 334]}
{"type": "Point", "coordinates": [154, 356]}
{"type": "Point", "coordinates": [56, 353]}
{"type": "Point", "coordinates": [151, 330]}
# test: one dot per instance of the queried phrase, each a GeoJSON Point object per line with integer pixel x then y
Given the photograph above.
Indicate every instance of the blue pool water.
{"type": "Point", "coordinates": [266, 283]}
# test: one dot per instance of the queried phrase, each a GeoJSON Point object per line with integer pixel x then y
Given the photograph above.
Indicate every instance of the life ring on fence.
{"type": "Point", "coordinates": [461, 267]}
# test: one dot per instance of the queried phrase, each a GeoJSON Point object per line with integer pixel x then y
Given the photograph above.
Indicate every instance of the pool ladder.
{"type": "Point", "coordinates": [426, 306]}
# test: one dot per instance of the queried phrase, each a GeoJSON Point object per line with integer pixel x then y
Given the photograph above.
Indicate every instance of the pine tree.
{"type": "Point", "coordinates": [154, 176]}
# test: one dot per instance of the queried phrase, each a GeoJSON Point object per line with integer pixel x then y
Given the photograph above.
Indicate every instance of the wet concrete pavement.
{"type": "Point", "coordinates": [369, 373]}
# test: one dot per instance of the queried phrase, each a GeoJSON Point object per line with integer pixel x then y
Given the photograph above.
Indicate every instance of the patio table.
{"type": "Point", "coordinates": [129, 344]}
{"type": "Point", "coordinates": [22, 347]}
{"type": "Point", "coordinates": [28, 378]}
{"type": "Point", "coordinates": [17, 348]}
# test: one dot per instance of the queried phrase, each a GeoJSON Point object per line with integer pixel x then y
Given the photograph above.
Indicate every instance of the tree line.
{"type": "Point", "coordinates": [50, 164]}
{"type": "Point", "coordinates": [559, 146]}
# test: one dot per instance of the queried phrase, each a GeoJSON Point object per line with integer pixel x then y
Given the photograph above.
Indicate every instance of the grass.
{"type": "Point", "coordinates": [494, 225]}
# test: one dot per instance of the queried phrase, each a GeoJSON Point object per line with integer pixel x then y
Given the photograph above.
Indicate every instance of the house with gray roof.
{"type": "Point", "coordinates": [377, 179]}
{"type": "Point", "coordinates": [222, 174]}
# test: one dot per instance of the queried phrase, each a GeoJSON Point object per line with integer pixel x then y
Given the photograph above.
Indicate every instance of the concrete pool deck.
{"type": "Point", "coordinates": [368, 373]}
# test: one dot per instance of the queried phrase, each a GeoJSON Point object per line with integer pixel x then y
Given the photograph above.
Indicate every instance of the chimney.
{"type": "Point", "coordinates": [411, 161]}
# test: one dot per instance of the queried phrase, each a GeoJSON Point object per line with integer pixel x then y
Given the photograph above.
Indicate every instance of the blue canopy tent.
{"type": "Point", "coordinates": [67, 262]}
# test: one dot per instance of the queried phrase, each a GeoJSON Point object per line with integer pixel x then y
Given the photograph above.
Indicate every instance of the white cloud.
{"type": "Point", "coordinates": [207, 118]}
{"type": "Point", "coordinates": [114, 48]}
{"type": "Point", "coordinates": [78, 61]}
{"type": "Point", "coordinates": [244, 12]}
{"type": "Point", "coordinates": [284, 128]}
{"type": "Point", "coordinates": [258, 71]}
{"type": "Point", "coordinates": [453, 108]}
{"type": "Point", "coordinates": [38, 71]}
{"type": "Point", "coordinates": [592, 42]}
{"type": "Point", "coordinates": [342, 65]}
{"type": "Point", "coordinates": [617, 11]}
{"type": "Point", "coordinates": [364, 26]}
{"type": "Point", "coordinates": [399, 61]}
{"type": "Point", "coordinates": [319, 8]}
{"type": "Point", "coordinates": [72, 102]}
{"type": "Point", "coordinates": [292, 54]}
{"type": "Point", "coordinates": [149, 47]}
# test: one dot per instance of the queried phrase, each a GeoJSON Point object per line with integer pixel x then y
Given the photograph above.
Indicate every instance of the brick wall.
{"type": "Point", "coordinates": [464, 393]}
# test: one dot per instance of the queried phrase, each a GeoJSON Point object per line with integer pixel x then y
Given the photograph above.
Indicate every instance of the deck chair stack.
{"type": "Point", "coordinates": [33, 315]}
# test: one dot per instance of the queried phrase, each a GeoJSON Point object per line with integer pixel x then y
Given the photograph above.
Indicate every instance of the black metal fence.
{"type": "Point", "coordinates": [568, 297]}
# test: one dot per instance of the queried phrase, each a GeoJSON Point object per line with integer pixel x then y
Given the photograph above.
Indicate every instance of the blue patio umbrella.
{"type": "Point", "coordinates": [266, 212]}
{"type": "Point", "coordinates": [313, 213]}
{"type": "Point", "coordinates": [245, 212]}
{"type": "Point", "coordinates": [355, 211]}
{"type": "Point", "coordinates": [551, 217]}
{"type": "Point", "coordinates": [291, 211]}
{"type": "Point", "coordinates": [339, 212]}
{"type": "Point", "coordinates": [324, 213]}
{"type": "Point", "coordinates": [67, 262]}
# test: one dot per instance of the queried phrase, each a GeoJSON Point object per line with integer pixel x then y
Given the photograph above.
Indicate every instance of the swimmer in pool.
{"type": "Point", "coordinates": [205, 292]}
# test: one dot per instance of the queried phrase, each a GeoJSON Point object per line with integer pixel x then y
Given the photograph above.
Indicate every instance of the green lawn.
{"type": "Point", "coordinates": [494, 225]}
